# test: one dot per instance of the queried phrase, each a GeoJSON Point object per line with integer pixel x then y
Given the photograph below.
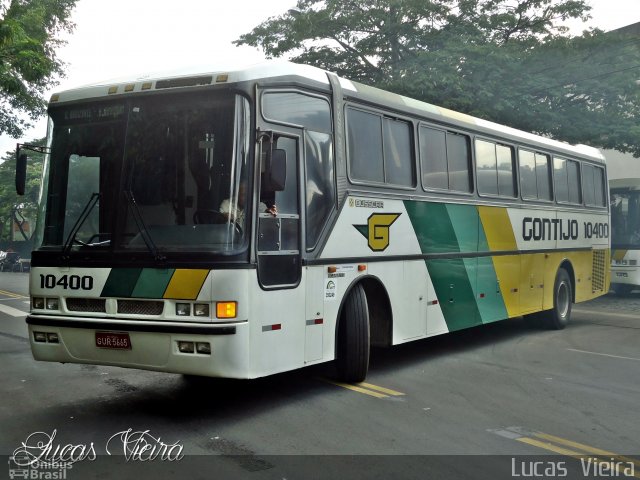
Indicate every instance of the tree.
{"type": "Point", "coordinates": [509, 61]}
{"type": "Point", "coordinates": [29, 66]}
{"type": "Point", "coordinates": [12, 206]}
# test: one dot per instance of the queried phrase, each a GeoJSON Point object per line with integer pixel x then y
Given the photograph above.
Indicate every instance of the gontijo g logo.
{"type": "Point", "coordinates": [377, 229]}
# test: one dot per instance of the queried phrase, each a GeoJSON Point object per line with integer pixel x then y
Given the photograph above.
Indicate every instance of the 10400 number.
{"type": "Point", "coordinates": [72, 282]}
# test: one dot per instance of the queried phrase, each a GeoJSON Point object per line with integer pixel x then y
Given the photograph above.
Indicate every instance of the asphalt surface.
{"type": "Point", "coordinates": [487, 402]}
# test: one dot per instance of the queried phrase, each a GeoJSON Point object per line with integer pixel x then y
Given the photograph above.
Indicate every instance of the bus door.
{"type": "Point", "coordinates": [278, 243]}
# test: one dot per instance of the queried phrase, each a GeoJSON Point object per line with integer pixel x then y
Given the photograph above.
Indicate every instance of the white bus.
{"type": "Point", "coordinates": [396, 220]}
{"type": "Point", "coordinates": [625, 235]}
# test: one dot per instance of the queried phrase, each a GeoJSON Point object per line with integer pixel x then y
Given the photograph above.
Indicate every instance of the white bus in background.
{"type": "Point", "coordinates": [625, 235]}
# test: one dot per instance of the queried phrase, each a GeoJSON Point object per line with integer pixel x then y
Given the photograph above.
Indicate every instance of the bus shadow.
{"type": "Point", "coordinates": [182, 398]}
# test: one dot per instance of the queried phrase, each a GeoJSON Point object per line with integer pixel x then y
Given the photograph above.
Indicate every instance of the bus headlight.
{"type": "Point", "coordinates": [53, 304]}
{"type": "Point", "coordinates": [201, 309]}
{"type": "Point", "coordinates": [38, 303]}
{"type": "Point", "coordinates": [183, 309]}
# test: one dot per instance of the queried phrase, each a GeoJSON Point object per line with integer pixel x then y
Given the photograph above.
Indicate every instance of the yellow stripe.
{"type": "Point", "coordinates": [388, 391]}
{"type": "Point", "coordinates": [549, 446]}
{"type": "Point", "coordinates": [11, 294]}
{"type": "Point", "coordinates": [357, 389]}
{"type": "Point", "coordinates": [586, 448]}
{"type": "Point", "coordinates": [497, 228]}
{"type": "Point", "coordinates": [571, 453]}
{"type": "Point", "coordinates": [619, 254]}
{"type": "Point", "coordinates": [186, 284]}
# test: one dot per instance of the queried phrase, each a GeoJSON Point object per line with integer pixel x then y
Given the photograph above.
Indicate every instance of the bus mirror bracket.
{"type": "Point", "coordinates": [21, 164]}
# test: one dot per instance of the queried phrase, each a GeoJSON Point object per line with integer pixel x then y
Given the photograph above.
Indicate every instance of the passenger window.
{"type": "Point", "coordinates": [365, 146]}
{"type": "Point", "coordinates": [398, 153]}
{"type": "Point", "coordinates": [494, 169]}
{"type": "Point", "coordinates": [535, 175]}
{"type": "Point", "coordinates": [380, 149]}
{"type": "Point", "coordinates": [567, 180]}
{"type": "Point", "coordinates": [445, 159]}
{"type": "Point", "coordinates": [593, 185]}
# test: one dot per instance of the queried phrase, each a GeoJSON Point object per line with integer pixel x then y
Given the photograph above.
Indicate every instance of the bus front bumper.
{"type": "Point", "coordinates": [149, 346]}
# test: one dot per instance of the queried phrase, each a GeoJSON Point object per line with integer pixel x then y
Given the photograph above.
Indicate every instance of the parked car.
{"type": "Point", "coordinates": [9, 262]}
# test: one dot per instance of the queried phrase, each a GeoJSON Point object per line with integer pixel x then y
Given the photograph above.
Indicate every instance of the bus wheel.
{"type": "Point", "coordinates": [558, 317]}
{"type": "Point", "coordinates": [353, 338]}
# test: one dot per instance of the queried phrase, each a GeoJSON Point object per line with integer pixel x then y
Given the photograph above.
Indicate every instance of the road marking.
{"type": "Point", "coordinates": [586, 448]}
{"type": "Point", "coordinates": [571, 449]}
{"type": "Point", "coordinates": [366, 388]}
{"type": "Point", "coordinates": [380, 389]}
{"type": "Point", "coordinates": [11, 294]}
{"type": "Point", "coordinates": [603, 354]}
{"type": "Point", "coordinates": [14, 312]}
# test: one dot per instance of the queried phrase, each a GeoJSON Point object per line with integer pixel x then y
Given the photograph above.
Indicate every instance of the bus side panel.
{"type": "Point", "coordinates": [277, 321]}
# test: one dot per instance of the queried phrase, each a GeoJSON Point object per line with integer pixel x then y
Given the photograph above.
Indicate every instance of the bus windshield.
{"type": "Point", "coordinates": [149, 173]}
{"type": "Point", "coordinates": [625, 217]}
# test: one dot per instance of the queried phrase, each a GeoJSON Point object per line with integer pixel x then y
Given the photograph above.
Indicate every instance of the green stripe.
{"type": "Point", "coordinates": [121, 282]}
{"type": "Point", "coordinates": [152, 283]}
{"type": "Point", "coordinates": [467, 289]}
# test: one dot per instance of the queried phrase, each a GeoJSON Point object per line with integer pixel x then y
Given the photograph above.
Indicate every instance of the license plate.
{"type": "Point", "coordinates": [113, 340]}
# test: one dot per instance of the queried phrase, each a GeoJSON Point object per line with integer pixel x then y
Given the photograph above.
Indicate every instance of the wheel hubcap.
{"type": "Point", "coordinates": [563, 299]}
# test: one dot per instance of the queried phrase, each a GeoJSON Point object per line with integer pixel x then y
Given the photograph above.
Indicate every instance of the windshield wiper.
{"type": "Point", "coordinates": [95, 196]}
{"type": "Point", "coordinates": [142, 228]}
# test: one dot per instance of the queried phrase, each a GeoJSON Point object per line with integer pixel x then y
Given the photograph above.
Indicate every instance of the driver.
{"type": "Point", "coordinates": [235, 211]}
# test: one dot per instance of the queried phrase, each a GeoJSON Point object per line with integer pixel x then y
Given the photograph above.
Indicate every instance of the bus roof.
{"type": "Point", "coordinates": [275, 68]}
{"type": "Point", "coordinates": [625, 184]}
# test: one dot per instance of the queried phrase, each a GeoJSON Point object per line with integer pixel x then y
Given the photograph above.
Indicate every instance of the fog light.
{"type": "Point", "coordinates": [52, 337]}
{"type": "Point", "coordinates": [204, 348]}
{"type": "Point", "coordinates": [186, 347]}
{"type": "Point", "coordinates": [183, 309]}
{"type": "Point", "coordinates": [52, 304]}
{"type": "Point", "coordinates": [226, 309]}
{"type": "Point", "coordinates": [201, 310]}
{"type": "Point", "coordinates": [40, 337]}
{"type": "Point", "coordinates": [38, 303]}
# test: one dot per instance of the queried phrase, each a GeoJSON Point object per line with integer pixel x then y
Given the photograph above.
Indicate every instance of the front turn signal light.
{"type": "Point", "coordinates": [226, 309]}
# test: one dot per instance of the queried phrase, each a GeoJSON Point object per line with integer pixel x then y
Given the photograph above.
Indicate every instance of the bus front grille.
{"type": "Point", "coordinates": [140, 307]}
{"type": "Point", "coordinates": [94, 305]}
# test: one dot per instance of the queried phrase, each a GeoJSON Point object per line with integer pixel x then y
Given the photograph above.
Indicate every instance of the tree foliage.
{"type": "Point", "coordinates": [509, 61]}
{"type": "Point", "coordinates": [14, 206]}
{"type": "Point", "coordinates": [29, 66]}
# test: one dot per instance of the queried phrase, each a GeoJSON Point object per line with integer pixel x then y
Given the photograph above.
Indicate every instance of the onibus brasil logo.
{"type": "Point", "coordinates": [377, 229]}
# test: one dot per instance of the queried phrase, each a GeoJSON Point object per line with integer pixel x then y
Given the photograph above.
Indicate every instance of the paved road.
{"type": "Point", "coordinates": [502, 391]}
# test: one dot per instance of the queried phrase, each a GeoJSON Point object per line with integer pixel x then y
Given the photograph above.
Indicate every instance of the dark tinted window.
{"type": "Point", "coordinates": [567, 180]}
{"type": "Point", "coordinates": [380, 149]}
{"type": "Point", "coordinates": [398, 153]}
{"type": "Point", "coordinates": [459, 159]}
{"type": "Point", "coordinates": [494, 169]}
{"type": "Point", "coordinates": [365, 146]}
{"type": "Point", "coordinates": [535, 175]}
{"type": "Point", "coordinates": [433, 157]}
{"type": "Point", "coordinates": [294, 108]}
{"type": "Point", "coordinates": [320, 191]}
{"type": "Point", "coordinates": [593, 185]}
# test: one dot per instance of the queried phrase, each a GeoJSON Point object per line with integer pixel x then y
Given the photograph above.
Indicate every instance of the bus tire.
{"type": "Point", "coordinates": [558, 317]}
{"type": "Point", "coordinates": [353, 338]}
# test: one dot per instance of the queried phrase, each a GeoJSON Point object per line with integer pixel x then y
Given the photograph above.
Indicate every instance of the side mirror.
{"type": "Point", "coordinates": [275, 176]}
{"type": "Point", "coordinates": [21, 172]}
